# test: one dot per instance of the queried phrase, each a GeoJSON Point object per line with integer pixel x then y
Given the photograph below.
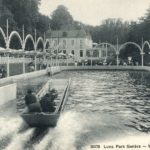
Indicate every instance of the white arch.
{"type": "Point", "coordinates": [38, 40]}
{"type": "Point", "coordinates": [146, 42]}
{"type": "Point", "coordinates": [47, 41]}
{"type": "Point", "coordinates": [131, 43]}
{"type": "Point", "coordinates": [29, 36]}
{"type": "Point", "coordinates": [11, 35]}
{"type": "Point", "coordinates": [112, 46]}
{"type": "Point", "coordinates": [4, 36]}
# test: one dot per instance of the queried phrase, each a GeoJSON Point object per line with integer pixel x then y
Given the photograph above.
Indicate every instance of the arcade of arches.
{"type": "Point", "coordinates": [39, 52]}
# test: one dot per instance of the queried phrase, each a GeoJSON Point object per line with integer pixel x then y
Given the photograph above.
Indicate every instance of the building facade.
{"type": "Point", "coordinates": [71, 42]}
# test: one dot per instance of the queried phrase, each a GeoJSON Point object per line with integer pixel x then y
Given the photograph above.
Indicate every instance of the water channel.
{"type": "Point", "coordinates": [103, 106]}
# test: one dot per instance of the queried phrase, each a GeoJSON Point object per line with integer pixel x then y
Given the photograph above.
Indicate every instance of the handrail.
{"type": "Point", "coordinates": [42, 91]}
{"type": "Point", "coordinates": [63, 99]}
{"type": "Point", "coordinates": [65, 96]}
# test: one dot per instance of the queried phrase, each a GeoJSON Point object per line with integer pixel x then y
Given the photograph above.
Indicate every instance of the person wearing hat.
{"type": "Point", "coordinates": [47, 104]}
{"type": "Point", "coordinates": [31, 102]}
{"type": "Point", "coordinates": [54, 94]}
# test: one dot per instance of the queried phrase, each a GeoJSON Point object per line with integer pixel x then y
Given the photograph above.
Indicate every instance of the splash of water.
{"type": "Point", "coordinates": [42, 145]}
{"type": "Point", "coordinates": [69, 127]}
{"type": "Point", "coordinates": [19, 140]}
{"type": "Point", "coordinates": [9, 126]}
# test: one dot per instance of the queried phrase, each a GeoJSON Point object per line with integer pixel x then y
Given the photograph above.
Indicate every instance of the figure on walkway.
{"type": "Point", "coordinates": [3, 72]}
{"type": "Point", "coordinates": [31, 102]}
{"type": "Point", "coordinates": [49, 70]}
{"type": "Point", "coordinates": [31, 66]}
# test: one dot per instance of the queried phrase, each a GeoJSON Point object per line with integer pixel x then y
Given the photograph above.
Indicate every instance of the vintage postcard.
{"type": "Point", "coordinates": [74, 75]}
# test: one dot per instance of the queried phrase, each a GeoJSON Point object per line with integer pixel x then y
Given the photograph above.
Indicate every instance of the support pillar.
{"type": "Point", "coordinates": [117, 53]}
{"type": "Point", "coordinates": [117, 60]}
{"type": "Point", "coordinates": [100, 53]}
{"type": "Point", "coordinates": [142, 59]}
{"type": "Point", "coordinates": [51, 61]}
{"type": "Point", "coordinates": [35, 63]}
{"type": "Point", "coordinates": [24, 70]}
{"type": "Point", "coordinates": [8, 66]}
{"type": "Point", "coordinates": [44, 60]}
{"type": "Point", "coordinates": [67, 61]}
{"type": "Point", "coordinates": [106, 52]}
{"type": "Point", "coordinates": [56, 61]}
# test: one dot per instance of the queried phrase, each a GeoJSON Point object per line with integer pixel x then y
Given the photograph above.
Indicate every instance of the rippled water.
{"type": "Point", "coordinates": [102, 106]}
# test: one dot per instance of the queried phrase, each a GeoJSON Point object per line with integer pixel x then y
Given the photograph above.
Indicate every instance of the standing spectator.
{"type": "Point", "coordinates": [3, 71]}
{"type": "Point", "coordinates": [31, 66]}
{"type": "Point", "coordinates": [49, 70]}
{"type": "Point", "coordinates": [0, 73]}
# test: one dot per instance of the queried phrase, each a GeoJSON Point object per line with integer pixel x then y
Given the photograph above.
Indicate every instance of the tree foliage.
{"type": "Point", "coordinates": [61, 18]}
{"type": "Point", "coordinates": [23, 12]}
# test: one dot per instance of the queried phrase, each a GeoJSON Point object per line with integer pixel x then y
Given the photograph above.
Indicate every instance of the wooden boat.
{"type": "Point", "coordinates": [47, 119]}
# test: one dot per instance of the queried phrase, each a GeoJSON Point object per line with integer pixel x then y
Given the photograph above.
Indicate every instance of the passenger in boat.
{"type": "Point", "coordinates": [54, 94]}
{"type": "Point", "coordinates": [31, 102]}
{"type": "Point", "coordinates": [47, 105]}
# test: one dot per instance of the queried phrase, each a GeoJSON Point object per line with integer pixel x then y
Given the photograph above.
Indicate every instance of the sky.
{"type": "Point", "coordinates": [93, 12]}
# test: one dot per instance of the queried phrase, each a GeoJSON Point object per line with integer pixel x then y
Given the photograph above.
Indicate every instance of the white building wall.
{"type": "Point", "coordinates": [77, 46]}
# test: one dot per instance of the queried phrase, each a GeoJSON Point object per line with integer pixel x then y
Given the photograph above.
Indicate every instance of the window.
{"type": "Point", "coordinates": [55, 42]}
{"type": "Point", "coordinates": [72, 42]}
{"type": "Point", "coordinates": [64, 51]}
{"type": "Point", "coordinates": [64, 34]}
{"type": "Point", "coordinates": [64, 43]}
{"type": "Point", "coordinates": [81, 53]}
{"type": "Point", "coordinates": [72, 52]}
{"type": "Point", "coordinates": [81, 43]}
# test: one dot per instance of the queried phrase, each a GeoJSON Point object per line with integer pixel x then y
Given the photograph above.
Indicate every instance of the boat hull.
{"type": "Point", "coordinates": [40, 119]}
{"type": "Point", "coordinates": [47, 119]}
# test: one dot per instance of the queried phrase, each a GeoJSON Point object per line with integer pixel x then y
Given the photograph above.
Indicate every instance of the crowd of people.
{"type": "Point", "coordinates": [46, 103]}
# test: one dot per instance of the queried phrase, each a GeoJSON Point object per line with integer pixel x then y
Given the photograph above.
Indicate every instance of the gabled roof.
{"type": "Point", "coordinates": [66, 33]}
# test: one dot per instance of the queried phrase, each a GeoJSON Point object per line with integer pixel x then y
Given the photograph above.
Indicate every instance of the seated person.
{"type": "Point", "coordinates": [54, 94]}
{"type": "Point", "coordinates": [31, 102]}
{"type": "Point", "coordinates": [47, 104]}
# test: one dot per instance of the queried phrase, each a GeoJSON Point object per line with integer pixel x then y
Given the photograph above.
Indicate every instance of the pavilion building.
{"type": "Point", "coordinates": [71, 42]}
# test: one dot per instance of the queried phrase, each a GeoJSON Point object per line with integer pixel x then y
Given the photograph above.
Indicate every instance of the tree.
{"type": "Point", "coordinates": [61, 18]}
{"type": "Point", "coordinates": [43, 23]}
{"type": "Point", "coordinates": [22, 12]}
{"type": "Point", "coordinates": [25, 12]}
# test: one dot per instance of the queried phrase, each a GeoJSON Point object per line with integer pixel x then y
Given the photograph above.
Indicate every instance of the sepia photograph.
{"type": "Point", "coordinates": [74, 75]}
